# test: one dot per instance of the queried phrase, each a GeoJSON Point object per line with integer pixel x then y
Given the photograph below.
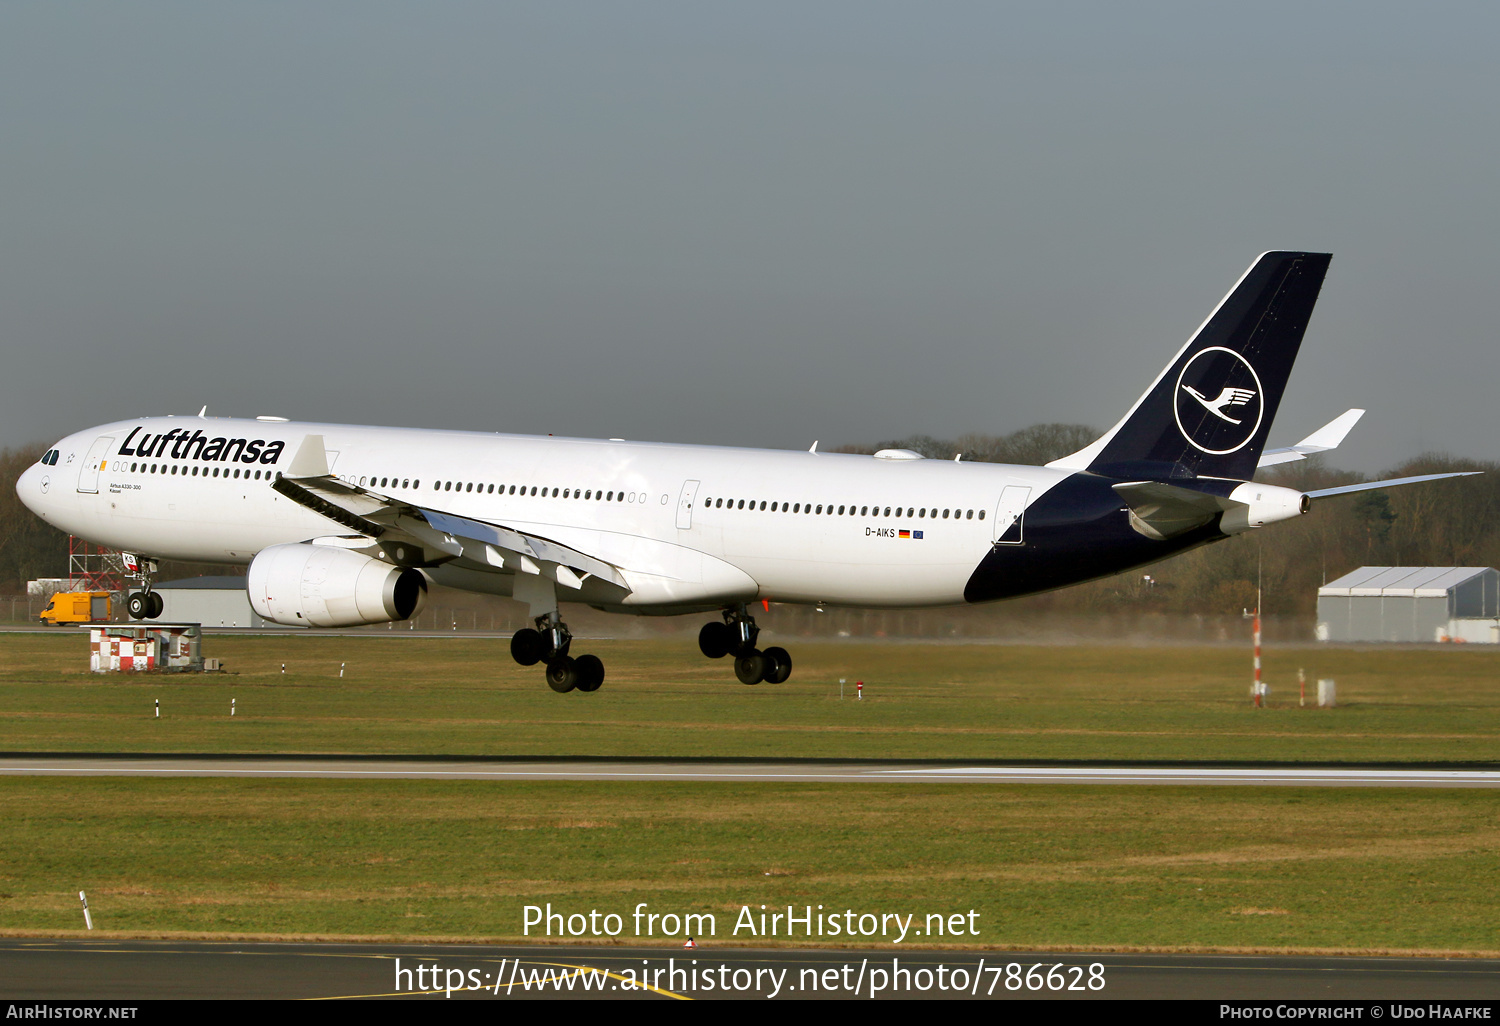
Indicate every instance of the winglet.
{"type": "Point", "coordinates": [1324, 439]}
{"type": "Point", "coordinates": [311, 459]}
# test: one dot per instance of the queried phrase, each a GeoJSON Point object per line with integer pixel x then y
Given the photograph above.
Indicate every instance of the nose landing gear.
{"type": "Point", "coordinates": [736, 635]}
{"type": "Point", "coordinates": [143, 604]}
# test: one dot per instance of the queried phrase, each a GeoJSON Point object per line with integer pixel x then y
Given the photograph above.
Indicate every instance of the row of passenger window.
{"type": "Point", "coordinates": [172, 468]}
{"type": "Point", "coordinates": [482, 488]}
{"type": "Point", "coordinates": [587, 494]}
{"type": "Point", "coordinates": [853, 511]}
{"type": "Point", "coordinates": [388, 482]}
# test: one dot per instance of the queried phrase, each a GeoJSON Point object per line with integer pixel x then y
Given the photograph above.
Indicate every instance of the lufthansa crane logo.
{"type": "Point", "coordinates": [1218, 401]}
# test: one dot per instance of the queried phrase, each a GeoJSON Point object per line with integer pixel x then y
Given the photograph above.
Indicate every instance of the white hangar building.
{"type": "Point", "coordinates": [1411, 603]}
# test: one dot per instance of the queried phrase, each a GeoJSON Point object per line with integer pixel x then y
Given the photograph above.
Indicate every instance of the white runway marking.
{"type": "Point", "coordinates": [781, 772]}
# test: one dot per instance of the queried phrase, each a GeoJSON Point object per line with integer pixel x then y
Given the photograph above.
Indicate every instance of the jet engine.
{"type": "Point", "coordinates": [1263, 504]}
{"type": "Point", "coordinates": [326, 586]}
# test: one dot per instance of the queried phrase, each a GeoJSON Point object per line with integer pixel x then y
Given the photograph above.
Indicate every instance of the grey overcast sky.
{"type": "Point", "coordinates": [758, 223]}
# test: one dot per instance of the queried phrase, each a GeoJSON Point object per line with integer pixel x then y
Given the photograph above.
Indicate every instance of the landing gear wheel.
{"type": "Point", "coordinates": [589, 670]}
{"type": "Point", "coordinates": [527, 647]}
{"type": "Point", "coordinates": [155, 604]}
{"type": "Point", "coordinates": [562, 675]}
{"type": "Point", "coordinates": [715, 639]}
{"type": "Point", "coordinates": [138, 605]}
{"type": "Point", "coordinates": [779, 665]}
{"type": "Point", "coordinates": [750, 668]}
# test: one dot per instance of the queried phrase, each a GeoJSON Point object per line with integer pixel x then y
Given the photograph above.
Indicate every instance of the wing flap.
{"type": "Point", "coordinates": [526, 545]}
{"type": "Point", "coordinates": [337, 512]}
{"type": "Point", "coordinates": [380, 516]}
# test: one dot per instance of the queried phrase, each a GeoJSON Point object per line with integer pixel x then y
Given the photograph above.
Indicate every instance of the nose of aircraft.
{"type": "Point", "coordinates": [33, 487]}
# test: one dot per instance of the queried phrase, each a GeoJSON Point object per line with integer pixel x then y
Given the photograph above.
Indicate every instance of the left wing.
{"type": "Point", "coordinates": [412, 535]}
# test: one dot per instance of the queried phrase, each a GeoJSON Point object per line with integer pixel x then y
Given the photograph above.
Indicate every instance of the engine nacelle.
{"type": "Point", "coordinates": [1263, 504]}
{"type": "Point", "coordinates": [326, 586]}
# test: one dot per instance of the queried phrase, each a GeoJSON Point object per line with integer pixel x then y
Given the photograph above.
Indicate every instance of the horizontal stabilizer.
{"type": "Point", "coordinates": [1161, 511]}
{"type": "Point", "coordinates": [1324, 439]}
{"type": "Point", "coordinates": [1369, 486]}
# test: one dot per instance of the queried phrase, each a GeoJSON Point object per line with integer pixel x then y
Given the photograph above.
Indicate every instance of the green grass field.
{"type": "Point", "coordinates": [1080, 867]}
{"type": "Point", "coordinates": [465, 696]}
{"type": "Point", "coordinates": [1044, 866]}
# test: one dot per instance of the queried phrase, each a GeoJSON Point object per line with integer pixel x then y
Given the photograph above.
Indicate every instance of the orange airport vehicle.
{"type": "Point", "coordinates": [76, 607]}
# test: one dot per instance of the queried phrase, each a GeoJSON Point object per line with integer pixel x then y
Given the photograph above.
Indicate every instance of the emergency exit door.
{"type": "Point", "coordinates": [685, 505]}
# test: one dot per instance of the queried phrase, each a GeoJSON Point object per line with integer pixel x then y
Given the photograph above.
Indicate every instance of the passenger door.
{"type": "Point", "coordinates": [88, 474]}
{"type": "Point", "coordinates": [1010, 515]}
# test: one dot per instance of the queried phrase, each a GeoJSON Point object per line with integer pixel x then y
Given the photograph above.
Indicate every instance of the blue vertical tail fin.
{"type": "Point", "coordinates": [1209, 412]}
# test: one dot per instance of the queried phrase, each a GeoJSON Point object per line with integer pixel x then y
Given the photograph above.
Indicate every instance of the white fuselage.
{"type": "Point", "coordinates": [688, 525]}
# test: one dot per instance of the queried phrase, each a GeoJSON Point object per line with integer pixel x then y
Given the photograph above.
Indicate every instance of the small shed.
{"type": "Point", "coordinates": [123, 648]}
{"type": "Point", "coordinates": [1411, 603]}
{"type": "Point", "coordinates": [211, 601]}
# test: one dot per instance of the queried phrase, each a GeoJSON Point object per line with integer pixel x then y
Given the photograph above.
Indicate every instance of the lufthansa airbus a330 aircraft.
{"type": "Point", "coordinates": [345, 525]}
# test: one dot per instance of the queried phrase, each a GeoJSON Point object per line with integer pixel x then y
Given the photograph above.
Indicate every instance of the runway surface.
{"type": "Point", "coordinates": [747, 771]}
{"type": "Point", "coordinates": [144, 970]}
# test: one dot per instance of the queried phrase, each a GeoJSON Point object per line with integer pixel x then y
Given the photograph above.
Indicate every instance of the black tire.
{"type": "Point", "coordinates": [780, 667]}
{"type": "Point", "coordinates": [156, 604]}
{"type": "Point", "coordinates": [715, 639]}
{"type": "Point", "coordinates": [527, 646]}
{"type": "Point", "coordinates": [590, 672]}
{"type": "Point", "coordinates": [137, 606]}
{"type": "Point", "coordinates": [562, 675]}
{"type": "Point", "coordinates": [750, 668]}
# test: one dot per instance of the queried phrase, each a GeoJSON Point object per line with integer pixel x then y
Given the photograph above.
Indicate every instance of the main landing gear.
{"type": "Point", "coordinates": [144, 604]}
{"type": "Point", "coordinates": [736, 635]}
{"type": "Point", "coordinates": [548, 643]}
